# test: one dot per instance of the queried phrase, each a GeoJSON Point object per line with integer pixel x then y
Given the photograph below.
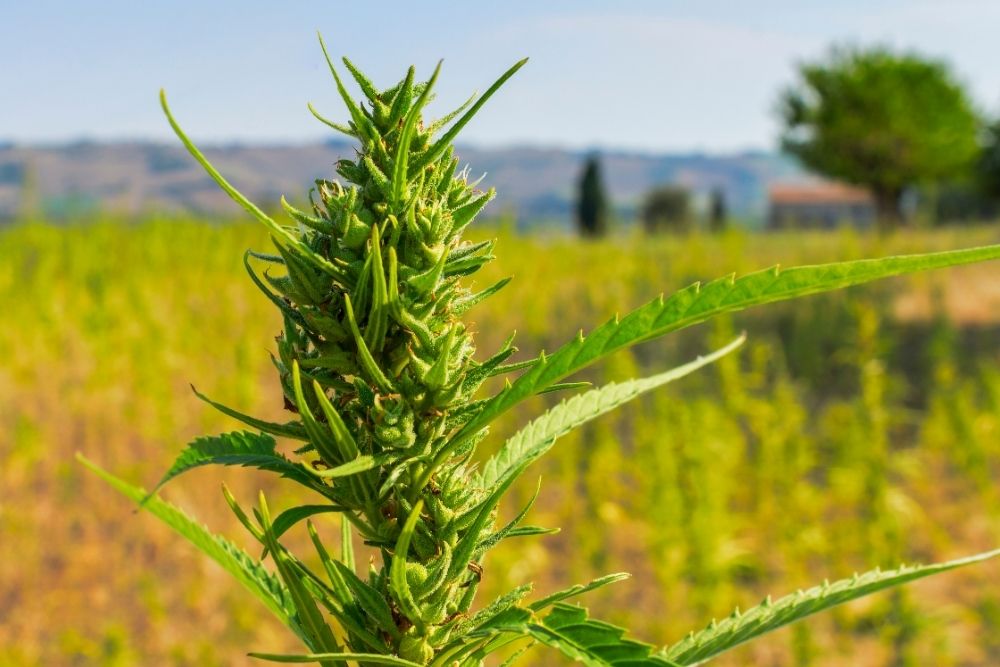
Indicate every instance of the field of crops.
{"type": "Point", "coordinates": [853, 430]}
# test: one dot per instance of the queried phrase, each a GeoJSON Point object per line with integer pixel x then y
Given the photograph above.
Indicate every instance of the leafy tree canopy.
{"type": "Point", "coordinates": [881, 120]}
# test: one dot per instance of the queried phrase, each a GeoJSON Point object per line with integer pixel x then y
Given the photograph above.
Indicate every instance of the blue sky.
{"type": "Point", "coordinates": [642, 75]}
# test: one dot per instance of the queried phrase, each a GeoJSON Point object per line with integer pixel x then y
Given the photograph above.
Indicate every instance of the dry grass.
{"type": "Point", "coordinates": [854, 430]}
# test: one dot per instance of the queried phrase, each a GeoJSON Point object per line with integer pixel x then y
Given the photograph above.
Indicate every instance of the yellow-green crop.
{"type": "Point", "coordinates": [382, 377]}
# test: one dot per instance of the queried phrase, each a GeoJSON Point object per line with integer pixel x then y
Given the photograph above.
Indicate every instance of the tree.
{"type": "Point", "coordinates": [666, 209]}
{"type": "Point", "coordinates": [881, 120]}
{"type": "Point", "coordinates": [592, 204]}
{"type": "Point", "coordinates": [988, 171]}
{"type": "Point", "coordinates": [717, 212]}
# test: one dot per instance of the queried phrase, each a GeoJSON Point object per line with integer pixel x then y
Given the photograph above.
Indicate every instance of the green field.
{"type": "Point", "coordinates": [856, 429]}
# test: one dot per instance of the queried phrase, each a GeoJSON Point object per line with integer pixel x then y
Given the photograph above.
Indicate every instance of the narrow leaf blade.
{"type": "Point", "coordinates": [698, 303]}
{"type": "Point", "coordinates": [236, 562]}
{"type": "Point", "coordinates": [539, 435]}
{"type": "Point", "coordinates": [594, 643]}
{"type": "Point", "coordinates": [768, 616]}
{"type": "Point", "coordinates": [240, 448]}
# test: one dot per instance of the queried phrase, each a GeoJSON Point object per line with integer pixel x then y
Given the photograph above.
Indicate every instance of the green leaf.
{"type": "Point", "coordinates": [435, 151]}
{"type": "Point", "coordinates": [293, 430]}
{"type": "Point", "coordinates": [236, 562]}
{"type": "Point", "coordinates": [516, 655]}
{"type": "Point", "coordinates": [369, 600]}
{"type": "Point", "coordinates": [594, 643]}
{"type": "Point", "coordinates": [402, 97]}
{"type": "Point", "coordinates": [341, 434]}
{"type": "Point", "coordinates": [738, 628]}
{"type": "Point", "coordinates": [239, 448]}
{"type": "Point", "coordinates": [466, 548]}
{"type": "Point", "coordinates": [400, 171]}
{"type": "Point", "coordinates": [578, 589]}
{"type": "Point", "coordinates": [367, 361]}
{"type": "Point", "coordinates": [363, 125]}
{"type": "Point", "coordinates": [539, 435]}
{"type": "Point", "coordinates": [363, 658]}
{"type": "Point", "coordinates": [482, 619]}
{"type": "Point", "coordinates": [326, 121]}
{"type": "Point", "coordinates": [462, 216]}
{"type": "Point", "coordinates": [277, 231]}
{"type": "Point", "coordinates": [318, 635]}
{"type": "Point", "coordinates": [698, 303]}
{"type": "Point", "coordinates": [397, 570]}
{"type": "Point", "coordinates": [284, 521]}
{"type": "Point", "coordinates": [362, 463]}
{"type": "Point", "coordinates": [346, 544]}
{"type": "Point", "coordinates": [364, 83]}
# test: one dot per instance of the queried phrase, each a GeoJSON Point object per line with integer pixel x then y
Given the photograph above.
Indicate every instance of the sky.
{"type": "Point", "coordinates": [641, 75]}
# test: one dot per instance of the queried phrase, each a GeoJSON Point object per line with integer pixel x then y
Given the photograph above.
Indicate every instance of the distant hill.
{"type": "Point", "coordinates": [535, 184]}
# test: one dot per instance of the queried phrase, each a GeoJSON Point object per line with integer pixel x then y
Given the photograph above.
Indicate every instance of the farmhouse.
{"type": "Point", "coordinates": [819, 205]}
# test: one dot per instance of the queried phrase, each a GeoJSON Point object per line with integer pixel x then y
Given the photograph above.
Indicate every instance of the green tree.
{"type": "Point", "coordinates": [666, 209]}
{"type": "Point", "coordinates": [989, 162]}
{"type": "Point", "coordinates": [592, 204]}
{"type": "Point", "coordinates": [882, 120]}
{"type": "Point", "coordinates": [718, 213]}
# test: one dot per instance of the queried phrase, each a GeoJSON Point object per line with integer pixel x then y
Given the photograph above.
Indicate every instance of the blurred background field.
{"type": "Point", "coordinates": [854, 429]}
{"type": "Point", "coordinates": [646, 146]}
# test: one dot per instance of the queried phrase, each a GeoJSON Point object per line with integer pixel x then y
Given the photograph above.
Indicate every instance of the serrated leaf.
{"type": "Point", "coordinates": [698, 303]}
{"type": "Point", "coordinates": [292, 430]}
{"type": "Point", "coordinates": [362, 658]}
{"type": "Point", "coordinates": [578, 589]}
{"type": "Point", "coordinates": [369, 600]}
{"type": "Point", "coordinates": [483, 619]}
{"type": "Point", "coordinates": [435, 151]}
{"type": "Point", "coordinates": [251, 574]}
{"type": "Point", "coordinates": [284, 521]}
{"type": "Point", "coordinates": [594, 643]}
{"type": "Point", "coordinates": [539, 435]}
{"type": "Point", "coordinates": [239, 448]}
{"type": "Point", "coordinates": [738, 628]}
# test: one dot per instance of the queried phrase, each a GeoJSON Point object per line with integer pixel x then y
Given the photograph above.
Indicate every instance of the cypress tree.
{"type": "Point", "coordinates": [592, 204]}
{"type": "Point", "coordinates": [717, 210]}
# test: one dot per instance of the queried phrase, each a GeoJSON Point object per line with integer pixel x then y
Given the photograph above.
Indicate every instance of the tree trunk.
{"type": "Point", "coordinates": [889, 215]}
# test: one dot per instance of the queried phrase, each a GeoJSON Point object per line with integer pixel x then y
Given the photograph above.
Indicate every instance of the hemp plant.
{"type": "Point", "coordinates": [384, 383]}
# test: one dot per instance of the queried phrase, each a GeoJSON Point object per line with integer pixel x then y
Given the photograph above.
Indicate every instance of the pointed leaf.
{"type": "Point", "coordinates": [698, 303]}
{"type": "Point", "coordinates": [239, 448]}
{"type": "Point", "coordinates": [397, 571]}
{"type": "Point", "coordinates": [289, 430]}
{"type": "Point", "coordinates": [538, 436]}
{"type": "Point", "coordinates": [578, 589]}
{"type": "Point", "coordinates": [363, 658]}
{"type": "Point", "coordinates": [594, 643]}
{"type": "Point", "coordinates": [738, 628]}
{"type": "Point", "coordinates": [435, 151]}
{"type": "Point", "coordinates": [236, 562]}
{"type": "Point", "coordinates": [362, 463]}
{"type": "Point", "coordinates": [284, 521]}
{"type": "Point", "coordinates": [277, 231]}
{"type": "Point", "coordinates": [369, 600]}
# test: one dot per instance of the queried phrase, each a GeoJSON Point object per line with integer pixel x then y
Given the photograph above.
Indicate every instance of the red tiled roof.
{"type": "Point", "coordinates": [818, 193]}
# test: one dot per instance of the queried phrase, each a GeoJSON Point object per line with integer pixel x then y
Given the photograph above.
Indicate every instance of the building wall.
{"type": "Point", "coordinates": [820, 215]}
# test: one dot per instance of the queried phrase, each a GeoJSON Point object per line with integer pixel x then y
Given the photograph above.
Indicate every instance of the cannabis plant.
{"type": "Point", "coordinates": [383, 379]}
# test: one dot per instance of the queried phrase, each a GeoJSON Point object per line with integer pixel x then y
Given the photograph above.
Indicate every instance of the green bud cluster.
{"type": "Point", "coordinates": [374, 357]}
{"type": "Point", "coordinates": [379, 368]}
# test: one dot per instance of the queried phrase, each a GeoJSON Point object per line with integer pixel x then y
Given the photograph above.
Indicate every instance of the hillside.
{"type": "Point", "coordinates": [534, 183]}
